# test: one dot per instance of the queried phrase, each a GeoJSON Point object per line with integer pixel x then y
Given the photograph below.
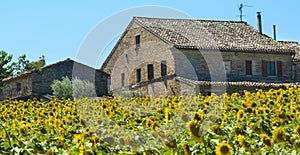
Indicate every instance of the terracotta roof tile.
{"type": "Point", "coordinates": [211, 34]}
{"type": "Point", "coordinates": [293, 45]}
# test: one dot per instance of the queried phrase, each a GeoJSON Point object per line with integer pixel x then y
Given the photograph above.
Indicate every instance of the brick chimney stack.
{"type": "Point", "coordinates": [259, 24]}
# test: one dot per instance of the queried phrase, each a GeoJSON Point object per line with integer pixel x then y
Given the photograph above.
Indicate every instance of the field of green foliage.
{"type": "Point", "coordinates": [253, 123]}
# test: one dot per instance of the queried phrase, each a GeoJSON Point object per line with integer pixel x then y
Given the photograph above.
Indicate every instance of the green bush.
{"type": "Point", "coordinates": [76, 88]}
{"type": "Point", "coordinates": [83, 88]}
{"type": "Point", "coordinates": [63, 88]}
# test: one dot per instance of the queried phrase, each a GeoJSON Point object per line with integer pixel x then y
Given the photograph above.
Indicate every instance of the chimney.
{"type": "Point", "coordinates": [259, 24]}
{"type": "Point", "coordinates": [274, 30]}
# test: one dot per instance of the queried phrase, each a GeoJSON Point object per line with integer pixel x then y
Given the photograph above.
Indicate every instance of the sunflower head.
{"type": "Point", "coordinates": [172, 144]}
{"type": "Point", "coordinates": [279, 135]}
{"type": "Point", "coordinates": [50, 152]}
{"type": "Point", "coordinates": [240, 115]}
{"type": "Point", "coordinates": [223, 149]}
{"type": "Point", "coordinates": [241, 140]}
{"type": "Point", "coordinates": [243, 143]}
{"type": "Point", "coordinates": [195, 130]}
{"type": "Point", "coordinates": [266, 141]}
{"type": "Point", "coordinates": [216, 129]}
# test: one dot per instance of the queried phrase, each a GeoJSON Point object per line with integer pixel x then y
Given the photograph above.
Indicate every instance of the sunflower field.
{"type": "Point", "coordinates": [262, 122]}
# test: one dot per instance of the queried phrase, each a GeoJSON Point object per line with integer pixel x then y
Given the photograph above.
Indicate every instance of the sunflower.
{"type": "Point", "coordinates": [238, 130]}
{"type": "Point", "coordinates": [255, 128]}
{"type": "Point", "coordinates": [186, 149]}
{"type": "Point", "coordinates": [241, 140]}
{"type": "Point", "coordinates": [253, 104]}
{"type": "Point", "coordinates": [223, 149]}
{"type": "Point", "coordinates": [23, 128]}
{"type": "Point", "coordinates": [240, 115]}
{"type": "Point", "coordinates": [266, 141]}
{"type": "Point", "coordinates": [216, 129]}
{"type": "Point", "coordinates": [172, 144]}
{"type": "Point", "coordinates": [194, 128]}
{"type": "Point", "coordinates": [279, 135]}
{"type": "Point", "coordinates": [154, 125]}
{"type": "Point", "coordinates": [291, 140]}
{"type": "Point", "coordinates": [167, 115]}
{"type": "Point", "coordinates": [199, 115]}
{"type": "Point", "coordinates": [50, 152]}
{"type": "Point", "coordinates": [243, 143]}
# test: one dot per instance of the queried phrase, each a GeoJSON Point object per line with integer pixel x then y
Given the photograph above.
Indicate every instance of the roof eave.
{"type": "Point", "coordinates": [262, 51]}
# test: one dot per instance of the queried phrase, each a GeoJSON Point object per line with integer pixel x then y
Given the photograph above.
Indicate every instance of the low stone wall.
{"type": "Point", "coordinates": [162, 86]}
{"type": "Point", "coordinates": [206, 87]}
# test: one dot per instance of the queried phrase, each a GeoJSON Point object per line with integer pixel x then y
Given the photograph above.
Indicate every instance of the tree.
{"type": "Point", "coordinates": [62, 88]}
{"type": "Point", "coordinates": [83, 88]}
{"type": "Point", "coordinates": [6, 67]}
{"type": "Point", "coordinates": [24, 64]}
{"type": "Point", "coordinates": [76, 88]}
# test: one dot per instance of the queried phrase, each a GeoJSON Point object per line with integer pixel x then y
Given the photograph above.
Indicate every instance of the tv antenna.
{"type": "Point", "coordinates": [241, 10]}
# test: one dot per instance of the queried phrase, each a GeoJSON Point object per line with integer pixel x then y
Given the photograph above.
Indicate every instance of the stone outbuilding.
{"type": "Point", "coordinates": [153, 55]}
{"type": "Point", "coordinates": [37, 83]}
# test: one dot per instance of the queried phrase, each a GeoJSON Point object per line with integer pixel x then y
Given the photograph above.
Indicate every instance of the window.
{"type": "Point", "coordinates": [248, 67]}
{"type": "Point", "coordinates": [279, 68]}
{"type": "Point", "coordinates": [137, 41]}
{"type": "Point", "coordinates": [18, 87]}
{"type": "Point", "coordinates": [272, 68]}
{"type": "Point", "coordinates": [122, 79]}
{"type": "Point", "coordinates": [126, 58]}
{"type": "Point", "coordinates": [227, 65]}
{"type": "Point", "coordinates": [138, 75]}
{"type": "Point", "coordinates": [163, 68]}
{"type": "Point", "coordinates": [150, 72]}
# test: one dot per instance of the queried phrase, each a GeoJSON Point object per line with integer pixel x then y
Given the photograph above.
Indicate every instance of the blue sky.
{"type": "Point", "coordinates": [57, 29]}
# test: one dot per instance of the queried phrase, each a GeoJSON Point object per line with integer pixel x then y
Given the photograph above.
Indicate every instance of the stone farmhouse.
{"type": "Point", "coordinates": [37, 83]}
{"type": "Point", "coordinates": [160, 56]}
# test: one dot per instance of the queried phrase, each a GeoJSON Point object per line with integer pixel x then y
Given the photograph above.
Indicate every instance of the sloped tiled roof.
{"type": "Point", "coordinates": [211, 34]}
{"type": "Point", "coordinates": [293, 45]}
{"type": "Point", "coordinates": [25, 73]}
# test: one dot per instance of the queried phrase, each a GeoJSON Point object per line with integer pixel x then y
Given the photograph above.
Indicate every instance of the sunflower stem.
{"type": "Point", "coordinates": [204, 142]}
{"type": "Point", "coordinates": [6, 135]}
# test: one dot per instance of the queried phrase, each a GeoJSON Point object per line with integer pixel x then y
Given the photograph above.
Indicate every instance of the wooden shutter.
{"type": "Point", "coordinates": [248, 67]}
{"type": "Point", "coordinates": [163, 68]}
{"type": "Point", "coordinates": [264, 68]}
{"type": "Point", "coordinates": [138, 75]}
{"type": "Point", "coordinates": [122, 79]}
{"type": "Point", "coordinates": [150, 71]}
{"type": "Point", "coordinates": [279, 68]}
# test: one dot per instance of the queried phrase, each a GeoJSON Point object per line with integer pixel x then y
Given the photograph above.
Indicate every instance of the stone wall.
{"type": "Point", "coordinates": [10, 89]}
{"type": "Point", "coordinates": [37, 83]}
{"type": "Point", "coordinates": [197, 66]}
{"type": "Point", "coordinates": [127, 57]}
{"type": "Point", "coordinates": [190, 87]}
{"type": "Point", "coordinates": [162, 86]}
{"type": "Point", "coordinates": [297, 71]}
{"type": "Point", "coordinates": [42, 79]}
